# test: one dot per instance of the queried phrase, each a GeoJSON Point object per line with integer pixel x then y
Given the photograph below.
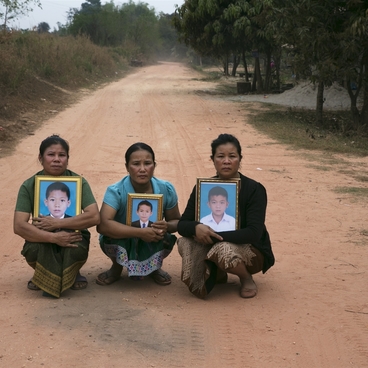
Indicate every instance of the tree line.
{"type": "Point", "coordinates": [324, 41]}
{"type": "Point", "coordinates": [133, 28]}
{"type": "Point", "coordinates": [327, 41]}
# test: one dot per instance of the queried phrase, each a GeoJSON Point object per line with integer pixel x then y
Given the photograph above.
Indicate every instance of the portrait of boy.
{"type": "Point", "coordinates": [144, 212]}
{"type": "Point", "coordinates": [218, 219]}
{"type": "Point", "coordinates": [57, 199]}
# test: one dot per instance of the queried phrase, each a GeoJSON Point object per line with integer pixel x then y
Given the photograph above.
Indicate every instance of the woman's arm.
{"type": "Point", "coordinates": [31, 233]}
{"type": "Point", "coordinates": [88, 218]}
{"type": "Point", "coordinates": [172, 218]}
{"type": "Point", "coordinates": [116, 230]}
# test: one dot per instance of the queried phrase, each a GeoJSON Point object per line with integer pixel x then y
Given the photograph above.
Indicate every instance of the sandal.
{"type": "Point", "coordinates": [32, 286]}
{"type": "Point", "coordinates": [161, 277]}
{"type": "Point", "coordinates": [105, 278]}
{"type": "Point", "coordinates": [80, 283]}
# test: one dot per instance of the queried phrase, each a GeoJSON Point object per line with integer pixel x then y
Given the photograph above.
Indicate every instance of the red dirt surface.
{"type": "Point", "coordinates": [312, 306]}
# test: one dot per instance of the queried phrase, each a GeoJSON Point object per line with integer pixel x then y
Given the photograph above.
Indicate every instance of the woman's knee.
{"type": "Point", "coordinates": [30, 252]}
{"type": "Point", "coordinates": [257, 262]}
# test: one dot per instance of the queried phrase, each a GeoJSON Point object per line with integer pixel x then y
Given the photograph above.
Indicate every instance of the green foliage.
{"type": "Point", "coordinates": [327, 41]}
{"type": "Point", "coordinates": [133, 26]}
{"type": "Point", "coordinates": [43, 27]}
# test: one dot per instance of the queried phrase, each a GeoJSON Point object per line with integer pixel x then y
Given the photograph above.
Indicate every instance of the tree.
{"type": "Point", "coordinates": [202, 26]}
{"type": "Point", "coordinates": [224, 27]}
{"type": "Point", "coordinates": [134, 26]}
{"type": "Point", "coordinates": [12, 9]}
{"type": "Point", "coordinates": [43, 27]}
{"type": "Point", "coordinates": [329, 40]}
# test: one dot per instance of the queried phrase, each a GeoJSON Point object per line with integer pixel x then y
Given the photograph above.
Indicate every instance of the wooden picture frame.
{"type": "Point", "coordinates": [67, 200]}
{"type": "Point", "coordinates": [208, 213]}
{"type": "Point", "coordinates": [151, 210]}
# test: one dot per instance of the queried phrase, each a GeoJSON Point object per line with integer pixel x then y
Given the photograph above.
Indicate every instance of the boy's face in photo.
{"type": "Point", "coordinates": [218, 204]}
{"type": "Point", "coordinates": [57, 203]}
{"type": "Point", "coordinates": [144, 212]}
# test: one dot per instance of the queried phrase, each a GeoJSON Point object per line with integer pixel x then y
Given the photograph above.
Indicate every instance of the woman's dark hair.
{"type": "Point", "coordinates": [139, 146]}
{"type": "Point", "coordinates": [223, 139]}
{"type": "Point", "coordinates": [54, 139]}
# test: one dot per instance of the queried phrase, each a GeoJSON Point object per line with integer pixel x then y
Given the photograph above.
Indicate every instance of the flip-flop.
{"type": "Point", "coordinates": [161, 277]}
{"type": "Point", "coordinates": [80, 283]}
{"type": "Point", "coordinates": [32, 286]}
{"type": "Point", "coordinates": [104, 279]}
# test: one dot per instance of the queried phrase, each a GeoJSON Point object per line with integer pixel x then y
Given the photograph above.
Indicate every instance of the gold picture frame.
{"type": "Point", "coordinates": [151, 209]}
{"type": "Point", "coordinates": [67, 188]}
{"type": "Point", "coordinates": [224, 206]}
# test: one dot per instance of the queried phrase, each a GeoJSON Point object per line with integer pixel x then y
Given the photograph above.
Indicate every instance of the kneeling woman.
{"type": "Point", "coordinates": [209, 255]}
{"type": "Point", "coordinates": [141, 250]}
{"type": "Point", "coordinates": [54, 252]}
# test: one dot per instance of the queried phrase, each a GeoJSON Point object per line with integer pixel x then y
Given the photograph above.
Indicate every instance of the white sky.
{"type": "Point", "coordinates": [54, 11]}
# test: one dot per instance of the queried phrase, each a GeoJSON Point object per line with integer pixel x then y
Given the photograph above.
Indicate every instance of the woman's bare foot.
{"type": "Point", "coordinates": [248, 288]}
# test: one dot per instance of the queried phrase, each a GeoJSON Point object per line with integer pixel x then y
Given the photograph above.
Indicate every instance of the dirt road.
{"type": "Point", "coordinates": [312, 306]}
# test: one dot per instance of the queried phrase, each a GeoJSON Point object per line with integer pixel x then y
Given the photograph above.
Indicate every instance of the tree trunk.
{"type": "Point", "coordinates": [236, 61]}
{"type": "Point", "coordinates": [257, 76]}
{"type": "Point", "coordinates": [364, 114]}
{"type": "Point", "coordinates": [355, 115]}
{"type": "Point", "coordinates": [268, 78]}
{"type": "Point", "coordinates": [226, 65]}
{"type": "Point", "coordinates": [277, 61]}
{"type": "Point", "coordinates": [245, 67]}
{"type": "Point", "coordinates": [320, 101]}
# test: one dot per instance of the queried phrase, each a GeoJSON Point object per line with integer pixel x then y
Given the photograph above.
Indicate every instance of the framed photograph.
{"type": "Point", "coordinates": [144, 209]}
{"type": "Point", "coordinates": [57, 196]}
{"type": "Point", "coordinates": [217, 203]}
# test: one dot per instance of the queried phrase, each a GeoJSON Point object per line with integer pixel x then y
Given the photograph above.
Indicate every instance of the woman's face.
{"type": "Point", "coordinates": [226, 160]}
{"type": "Point", "coordinates": [54, 160]}
{"type": "Point", "coordinates": [140, 167]}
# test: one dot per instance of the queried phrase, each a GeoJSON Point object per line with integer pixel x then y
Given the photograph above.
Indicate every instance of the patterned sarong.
{"type": "Point", "coordinates": [55, 267]}
{"type": "Point", "coordinates": [201, 263]}
{"type": "Point", "coordinates": [138, 257]}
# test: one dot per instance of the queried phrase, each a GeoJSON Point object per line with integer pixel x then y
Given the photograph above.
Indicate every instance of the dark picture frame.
{"type": "Point", "coordinates": [135, 199]}
{"type": "Point", "coordinates": [45, 184]}
{"type": "Point", "coordinates": [231, 186]}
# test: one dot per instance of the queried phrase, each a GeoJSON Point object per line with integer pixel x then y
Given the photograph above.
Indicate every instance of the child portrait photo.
{"type": "Point", "coordinates": [59, 197]}
{"type": "Point", "coordinates": [217, 203]}
{"type": "Point", "coordinates": [144, 209]}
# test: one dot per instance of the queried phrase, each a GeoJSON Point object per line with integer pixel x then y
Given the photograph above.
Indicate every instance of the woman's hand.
{"type": "Point", "coordinates": [151, 234]}
{"type": "Point", "coordinates": [161, 226]}
{"type": "Point", "coordinates": [66, 239]}
{"type": "Point", "coordinates": [204, 233]}
{"type": "Point", "coordinates": [46, 223]}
